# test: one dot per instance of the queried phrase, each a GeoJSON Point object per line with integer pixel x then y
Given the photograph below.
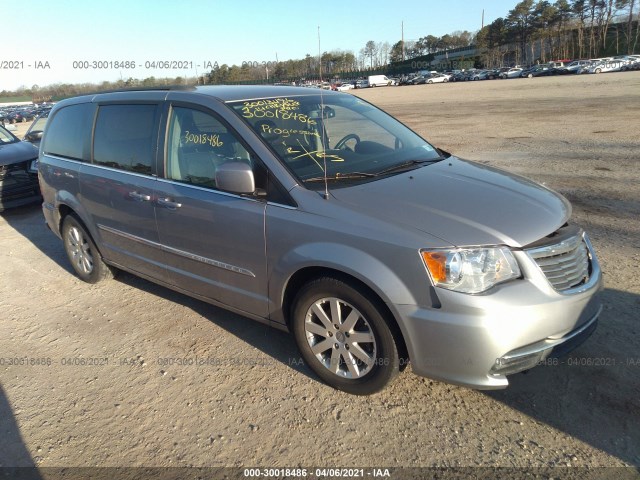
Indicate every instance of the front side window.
{"type": "Point", "coordinates": [198, 143]}
{"type": "Point", "coordinates": [339, 138]}
{"type": "Point", "coordinates": [124, 137]}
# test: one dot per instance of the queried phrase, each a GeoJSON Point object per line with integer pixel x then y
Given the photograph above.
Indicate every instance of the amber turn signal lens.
{"type": "Point", "coordinates": [437, 264]}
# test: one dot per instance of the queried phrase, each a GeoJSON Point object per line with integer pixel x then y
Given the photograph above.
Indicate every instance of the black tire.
{"type": "Point", "coordinates": [82, 252]}
{"type": "Point", "coordinates": [376, 362]}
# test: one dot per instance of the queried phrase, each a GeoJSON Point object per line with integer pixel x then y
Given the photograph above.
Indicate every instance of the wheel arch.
{"type": "Point", "coordinates": [67, 204]}
{"type": "Point", "coordinates": [309, 273]}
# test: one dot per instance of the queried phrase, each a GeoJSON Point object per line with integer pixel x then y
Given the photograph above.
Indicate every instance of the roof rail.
{"type": "Point", "coordinates": [143, 89]}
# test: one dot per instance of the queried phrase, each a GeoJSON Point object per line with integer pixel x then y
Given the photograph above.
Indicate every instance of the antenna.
{"type": "Point", "coordinates": [325, 195]}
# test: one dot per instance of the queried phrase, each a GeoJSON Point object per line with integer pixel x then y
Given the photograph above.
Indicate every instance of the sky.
{"type": "Point", "coordinates": [59, 38]}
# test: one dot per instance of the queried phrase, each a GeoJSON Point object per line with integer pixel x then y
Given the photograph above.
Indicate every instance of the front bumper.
{"type": "Point", "coordinates": [477, 340]}
{"type": "Point", "coordinates": [19, 188]}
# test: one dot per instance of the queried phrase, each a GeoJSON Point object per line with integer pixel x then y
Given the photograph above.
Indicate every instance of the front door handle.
{"type": "Point", "coordinates": [168, 203]}
{"type": "Point", "coordinates": [141, 197]}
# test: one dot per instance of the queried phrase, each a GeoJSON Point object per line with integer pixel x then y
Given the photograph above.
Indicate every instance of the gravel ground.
{"type": "Point", "coordinates": [111, 397]}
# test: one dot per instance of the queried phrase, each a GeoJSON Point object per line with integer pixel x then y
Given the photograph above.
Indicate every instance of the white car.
{"type": "Point", "coordinates": [607, 66]}
{"type": "Point", "coordinates": [511, 73]}
{"type": "Point", "coordinates": [345, 87]}
{"type": "Point", "coordinates": [437, 78]}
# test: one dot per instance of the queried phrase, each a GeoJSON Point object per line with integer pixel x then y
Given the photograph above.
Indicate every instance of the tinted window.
{"type": "Point", "coordinates": [198, 143]}
{"type": "Point", "coordinates": [69, 131]}
{"type": "Point", "coordinates": [124, 137]}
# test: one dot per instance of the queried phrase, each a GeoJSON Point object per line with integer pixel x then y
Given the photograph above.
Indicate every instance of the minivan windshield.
{"type": "Point", "coordinates": [337, 137]}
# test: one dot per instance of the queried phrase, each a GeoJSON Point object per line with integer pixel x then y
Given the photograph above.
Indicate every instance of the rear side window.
{"type": "Point", "coordinates": [69, 132]}
{"type": "Point", "coordinates": [125, 137]}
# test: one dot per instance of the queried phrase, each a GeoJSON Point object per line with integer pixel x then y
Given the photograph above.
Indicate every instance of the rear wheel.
{"type": "Point", "coordinates": [82, 252]}
{"type": "Point", "coordinates": [343, 337]}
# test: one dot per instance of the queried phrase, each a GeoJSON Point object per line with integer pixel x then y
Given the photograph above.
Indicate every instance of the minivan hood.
{"type": "Point", "coordinates": [17, 152]}
{"type": "Point", "coordinates": [463, 203]}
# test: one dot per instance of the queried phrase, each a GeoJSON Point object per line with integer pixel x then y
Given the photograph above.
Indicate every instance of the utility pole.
{"type": "Point", "coordinates": [402, 28]}
{"type": "Point", "coordinates": [482, 19]}
{"type": "Point", "coordinates": [319, 56]}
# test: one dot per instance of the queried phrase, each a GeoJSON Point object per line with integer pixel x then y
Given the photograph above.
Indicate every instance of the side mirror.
{"type": "Point", "coordinates": [235, 177]}
{"type": "Point", "coordinates": [34, 136]}
{"type": "Point", "coordinates": [327, 112]}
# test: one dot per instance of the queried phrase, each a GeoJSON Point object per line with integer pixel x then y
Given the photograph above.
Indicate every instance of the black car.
{"type": "Point", "coordinates": [538, 72]}
{"type": "Point", "coordinates": [18, 171]}
{"type": "Point", "coordinates": [34, 134]}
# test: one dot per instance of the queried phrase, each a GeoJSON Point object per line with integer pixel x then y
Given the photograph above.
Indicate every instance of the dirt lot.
{"type": "Point", "coordinates": [108, 398]}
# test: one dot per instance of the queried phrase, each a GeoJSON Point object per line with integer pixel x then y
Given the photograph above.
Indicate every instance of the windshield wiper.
{"type": "Point", "coordinates": [408, 165]}
{"type": "Point", "coordinates": [341, 176]}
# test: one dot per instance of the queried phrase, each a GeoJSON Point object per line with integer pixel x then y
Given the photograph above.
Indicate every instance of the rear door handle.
{"type": "Point", "coordinates": [141, 197]}
{"type": "Point", "coordinates": [168, 203]}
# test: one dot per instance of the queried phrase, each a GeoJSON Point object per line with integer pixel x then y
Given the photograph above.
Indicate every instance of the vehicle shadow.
{"type": "Point", "coordinates": [593, 394]}
{"type": "Point", "coordinates": [15, 459]}
{"type": "Point", "coordinates": [275, 343]}
{"type": "Point", "coordinates": [29, 222]}
{"type": "Point", "coordinates": [279, 345]}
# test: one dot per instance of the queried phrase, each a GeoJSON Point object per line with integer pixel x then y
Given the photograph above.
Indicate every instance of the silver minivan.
{"type": "Point", "coordinates": [318, 213]}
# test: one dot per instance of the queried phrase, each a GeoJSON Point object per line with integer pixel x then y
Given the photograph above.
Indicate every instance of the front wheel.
{"type": "Point", "coordinates": [343, 336]}
{"type": "Point", "coordinates": [82, 252]}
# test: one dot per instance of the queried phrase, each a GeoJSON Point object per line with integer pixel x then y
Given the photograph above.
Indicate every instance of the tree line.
{"type": "Point", "coordinates": [564, 29]}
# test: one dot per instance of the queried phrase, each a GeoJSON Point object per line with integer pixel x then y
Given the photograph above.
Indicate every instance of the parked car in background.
{"type": "Point", "coordinates": [460, 77]}
{"type": "Point", "coordinates": [378, 81]}
{"type": "Point", "coordinates": [480, 75]}
{"type": "Point", "coordinates": [613, 65]}
{"type": "Point", "coordinates": [634, 63]}
{"type": "Point", "coordinates": [345, 87]}
{"type": "Point", "coordinates": [538, 71]}
{"type": "Point", "coordinates": [361, 84]}
{"type": "Point", "coordinates": [18, 171]}
{"type": "Point", "coordinates": [417, 80]}
{"type": "Point", "coordinates": [511, 73]}
{"type": "Point", "coordinates": [437, 78]}
{"type": "Point", "coordinates": [631, 62]}
{"type": "Point", "coordinates": [36, 130]}
{"type": "Point", "coordinates": [573, 67]}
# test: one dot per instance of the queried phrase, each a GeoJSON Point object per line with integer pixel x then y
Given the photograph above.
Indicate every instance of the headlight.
{"type": "Point", "coordinates": [470, 270]}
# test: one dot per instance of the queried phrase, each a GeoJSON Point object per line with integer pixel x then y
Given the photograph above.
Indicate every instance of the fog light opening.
{"type": "Point", "coordinates": [510, 365]}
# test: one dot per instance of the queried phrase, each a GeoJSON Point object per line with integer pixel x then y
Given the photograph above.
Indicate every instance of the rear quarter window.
{"type": "Point", "coordinates": [69, 132]}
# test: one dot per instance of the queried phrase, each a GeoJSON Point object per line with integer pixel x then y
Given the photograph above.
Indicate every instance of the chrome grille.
{"type": "Point", "coordinates": [565, 264]}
